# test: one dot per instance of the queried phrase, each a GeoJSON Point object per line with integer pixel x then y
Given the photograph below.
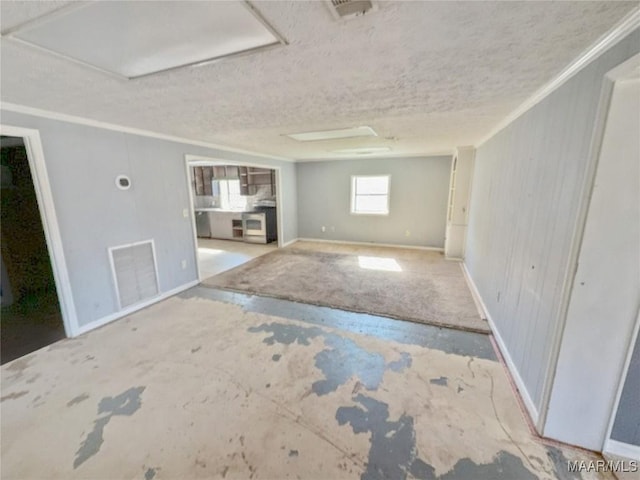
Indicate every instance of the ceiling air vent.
{"type": "Point", "coordinates": [351, 8]}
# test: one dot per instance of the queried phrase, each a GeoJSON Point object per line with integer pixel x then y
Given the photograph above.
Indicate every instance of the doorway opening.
{"type": "Point", "coordinates": [236, 213]}
{"type": "Point", "coordinates": [30, 316]}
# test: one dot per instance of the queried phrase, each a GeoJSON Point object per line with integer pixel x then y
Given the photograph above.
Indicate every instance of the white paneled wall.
{"type": "Point", "coordinates": [606, 290]}
{"type": "Point", "coordinates": [527, 190]}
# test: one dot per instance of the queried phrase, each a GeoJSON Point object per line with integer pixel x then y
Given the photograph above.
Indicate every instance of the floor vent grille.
{"type": "Point", "coordinates": [134, 272]}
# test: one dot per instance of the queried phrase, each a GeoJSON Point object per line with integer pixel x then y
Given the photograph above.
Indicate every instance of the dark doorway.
{"type": "Point", "coordinates": [30, 317]}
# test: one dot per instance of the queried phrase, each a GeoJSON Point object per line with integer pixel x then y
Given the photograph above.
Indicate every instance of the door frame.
{"type": "Point", "coordinates": [46, 207]}
{"type": "Point", "coordinates": [619, 72]}
{"type": "Point", "coordinates": [201, 160]}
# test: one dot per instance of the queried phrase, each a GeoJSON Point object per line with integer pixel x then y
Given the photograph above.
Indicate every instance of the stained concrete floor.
{"type": "Point", "coordinates": [212, 384]}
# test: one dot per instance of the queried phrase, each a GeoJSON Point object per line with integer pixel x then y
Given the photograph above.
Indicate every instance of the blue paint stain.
{"type": "Point", "coordinates": [149, 474]}
{"type": "Point", "coordinates": [340, 361]}
{"type": "Point", "coordinates": [127, 403]}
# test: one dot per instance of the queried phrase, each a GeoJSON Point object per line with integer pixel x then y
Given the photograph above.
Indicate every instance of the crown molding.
{"type": "Point", "coordinates": [623, 28]}
{"type": "Point", "coordinates": [63, 117]}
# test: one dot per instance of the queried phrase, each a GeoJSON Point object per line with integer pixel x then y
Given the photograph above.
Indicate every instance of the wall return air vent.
{"type": "Point", "coordinates": [134, 272]}
{"type": "Point", "coordinates": [344, 9]}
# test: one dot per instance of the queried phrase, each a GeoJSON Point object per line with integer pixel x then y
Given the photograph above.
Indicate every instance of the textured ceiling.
{"type": "Point", "coordinates": [427, 76]}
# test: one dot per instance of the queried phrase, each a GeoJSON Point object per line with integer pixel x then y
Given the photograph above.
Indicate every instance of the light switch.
{"type": "Point", "coordinates": [185, 213]}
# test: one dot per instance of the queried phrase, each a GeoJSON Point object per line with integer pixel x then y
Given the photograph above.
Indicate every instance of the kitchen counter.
{"type": "Point", "coordinates": [215, 222]}
{"type": "Point", "coordinates": [230, 224]}
{"type": "Point", "coordinates": [225, 210]}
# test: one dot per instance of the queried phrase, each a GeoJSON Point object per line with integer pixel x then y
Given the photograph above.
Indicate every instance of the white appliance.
{"type": "Point", "coordinates": [254, 226]}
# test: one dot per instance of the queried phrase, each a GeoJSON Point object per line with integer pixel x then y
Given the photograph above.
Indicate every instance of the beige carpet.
{"type": "Point", "coordinates": [408, 284]}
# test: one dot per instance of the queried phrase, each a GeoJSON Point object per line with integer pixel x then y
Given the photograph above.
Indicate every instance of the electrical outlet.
{"type": "Point", "coordinates": [184, 264]}
{"type": "Point", "coordinates": [323, 228]}
{"type": "Point", "coordinates": [333, 229]}
{"type": "Point", "coordinates": [407, 233]}
{"type": "Point", "coordinates": [185, 213]}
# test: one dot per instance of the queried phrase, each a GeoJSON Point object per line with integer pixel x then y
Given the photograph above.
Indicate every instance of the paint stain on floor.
{"type": "Point", "coordinates": [342, 360]}
{"type": "Point", "coordinates": [150, 474]}
{"type": "Point", "coordinates": [267, 397]}
{"type": "Point", "coordinates": [14, 395]}
{"type": "Point", "coordinates": [127, 403]}
{"type": "Point", "coordinates": [393, 452]}
{"type": "Point", "coordinates": [78, 399]}
{"type": "Point", "coordinates": [442, 381]}
{"type": "Point", "coordinates": [393, 443]}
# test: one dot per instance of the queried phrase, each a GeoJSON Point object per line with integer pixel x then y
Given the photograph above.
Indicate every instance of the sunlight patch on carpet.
{"type": "Point", "coordinates": [379, 263]}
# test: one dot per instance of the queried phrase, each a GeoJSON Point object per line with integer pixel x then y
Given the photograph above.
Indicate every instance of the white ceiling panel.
{"type": "Point", "coordinates": [139, 38]}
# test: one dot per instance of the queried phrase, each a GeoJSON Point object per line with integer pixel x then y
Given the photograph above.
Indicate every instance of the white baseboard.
{"type": "Point", "coordinates": [290, 242]}
{"type": "Point", "coordinates": [515, 375]}
{"type": "Point", "coordinates": [622, 449]}
{"type": "Point", "coordinates": [371, 244]}
{"type": "Point", "coordinates": [475, 294]}
{"type": "Point", "coordinates": [133, 308]}
{"type": "Point", "coordinates": [524, 393]}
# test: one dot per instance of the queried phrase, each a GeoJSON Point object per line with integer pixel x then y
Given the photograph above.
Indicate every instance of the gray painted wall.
{"type": "Point", "coordinates": [525, 199]}
{"type": "Point", "coordinates": [418, 201]}
{"type": "Point", "coordinates": [626, 427]}
{"type": "Point", "coordinates": [93, 215]}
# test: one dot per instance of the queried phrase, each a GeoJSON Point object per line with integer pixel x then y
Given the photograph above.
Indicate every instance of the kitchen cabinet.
{"type": "Point", "coordinates": [203, 175]}
{"type": "Point", "coordinates": [254, 179]}
{"type": "Point", "coordinates": [201, 180]}
{"type": "Point", "coordinates": [231, 171]}
{"type": "Point", "coordinates": [225, 172]}
{"type": "Point", "coordinates": [225, 225]}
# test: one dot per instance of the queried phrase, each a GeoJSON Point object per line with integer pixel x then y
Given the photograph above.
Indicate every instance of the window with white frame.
{"type": "Point", "coordinates": [230, 196]}
{"type": "Point", "coordinates": [370, 194]}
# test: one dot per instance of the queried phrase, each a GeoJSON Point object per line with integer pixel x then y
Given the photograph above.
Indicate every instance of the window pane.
{"type": "Point", "coordinates": [371, 204]}
{"type": "Point", "coordinates": [235, 199]}
{"type": "Point", "coordinates": [234, 187]}
{"type": "Point", "coordinates": [224, 193]}
{"type": "Point", "coordinates": [372, 185]}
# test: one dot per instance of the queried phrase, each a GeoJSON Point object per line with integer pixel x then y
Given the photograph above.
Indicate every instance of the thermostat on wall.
{"type": "Point", "coordinates": [123, 182]}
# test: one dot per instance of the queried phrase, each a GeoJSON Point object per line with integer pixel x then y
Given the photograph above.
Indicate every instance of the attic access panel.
{"type": "Point", "coordinates": [134, 39]}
